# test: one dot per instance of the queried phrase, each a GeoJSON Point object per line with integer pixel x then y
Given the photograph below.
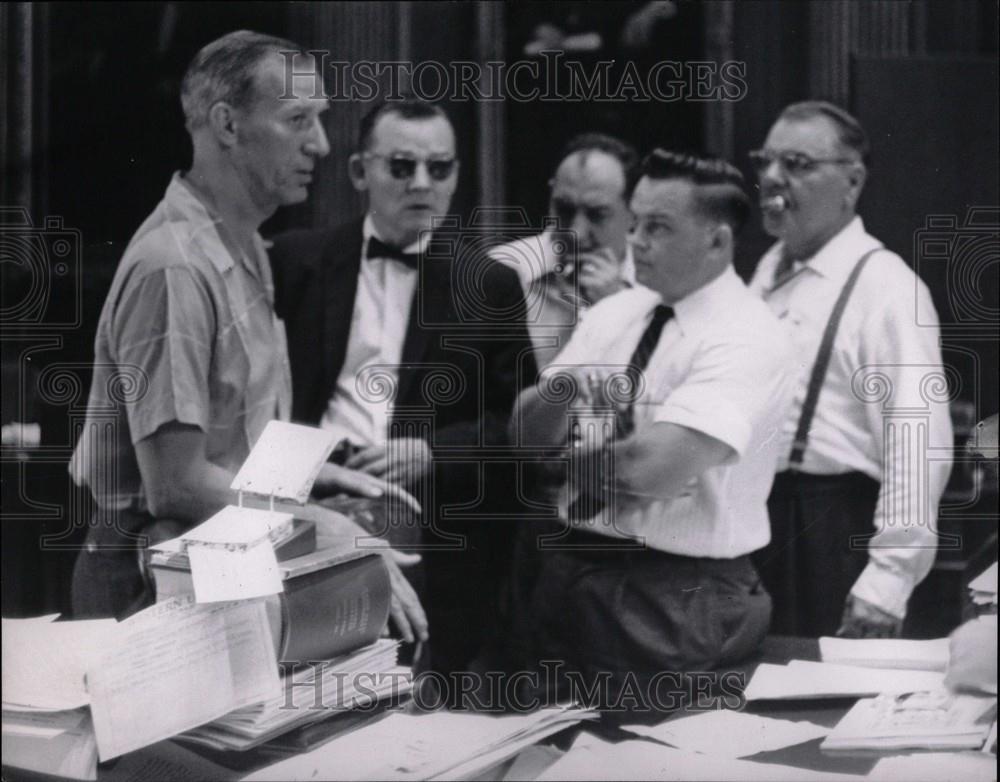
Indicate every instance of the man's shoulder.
{"type": "Point", "coordinates": [528, 256]}
{"type": "Point", "coordinates": [308, 245]}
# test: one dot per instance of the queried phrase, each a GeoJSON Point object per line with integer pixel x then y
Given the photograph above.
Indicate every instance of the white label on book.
{"type": "Point", "coordinates": [221, 574]}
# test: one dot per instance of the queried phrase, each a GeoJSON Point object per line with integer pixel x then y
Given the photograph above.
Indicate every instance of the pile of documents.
{"type": "Point", "coordinates": [310, 694]}
{"type": "Point", "coordinates": [926, 720]}
{"type": "Point", "coordinates": [46, 721]}
{"type": "Point", "coordinates": [440, 745]}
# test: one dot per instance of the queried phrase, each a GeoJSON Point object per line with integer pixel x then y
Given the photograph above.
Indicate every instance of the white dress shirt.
{"type": "Point", "coordinates": [721, 367]}
{"type": "Point", "coordinates": [357, 409]}
{"type": "Point", "coordinates": [883, 409]}
{"type": "Point", "coordinates": [552, 301]}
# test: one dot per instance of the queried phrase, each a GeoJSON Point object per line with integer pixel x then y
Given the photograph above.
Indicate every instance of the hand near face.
{"type": "Point", "coordinates": [600, 274]}
{"type": "Point", "coordinates": [402, 461]}
{"type": "Point", "coordinates": [864, 620]}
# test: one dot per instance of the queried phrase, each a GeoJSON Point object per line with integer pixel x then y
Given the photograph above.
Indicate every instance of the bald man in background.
{"type": "Point", "coordinates": [582, 257]}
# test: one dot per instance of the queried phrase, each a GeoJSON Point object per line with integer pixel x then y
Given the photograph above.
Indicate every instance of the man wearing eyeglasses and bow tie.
{"type": "Point", "coordinates": [404, 352]}
{"type": "Point", "coordinates": [867, 441]}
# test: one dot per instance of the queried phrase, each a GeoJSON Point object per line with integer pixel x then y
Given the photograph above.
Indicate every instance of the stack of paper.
{"type": "Point", "coordinates": [179, 664]}
{"type": "Point", "coordinates": [983, 588]}
{"type": "Point", "coordinates": [437, 745]}
{"type": "Point", "coordinates": [803, 679]}
{"type": "Point", "coordinates": [937, 767]}
{"type": "Point", "coordinates": [60, 743]}
{"type": "Point", "coordinates": [311, 694]}
{"type": "Point", "coordinates": [746, 734]}
{"type": "Point", "coordinates": [924, 720]}
{"type": "Point", "coordinates": [886, 653]}
{"type": "Point", "coordinates": [46, 722]}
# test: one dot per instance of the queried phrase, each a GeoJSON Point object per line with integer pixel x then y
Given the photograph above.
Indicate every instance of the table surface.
{"type": "Point", "coordinates": [776, 649]}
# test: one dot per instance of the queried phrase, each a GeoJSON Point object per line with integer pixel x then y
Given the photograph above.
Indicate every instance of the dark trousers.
{"type": "Point", "coordinates": [637, 613]}
{"type": "Point", "coordinates": [809, 566]}
{"type": "Point", "coordinates": [107, 578]}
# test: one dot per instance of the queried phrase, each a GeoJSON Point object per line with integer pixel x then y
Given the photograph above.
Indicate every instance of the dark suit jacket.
{"type": "Point", "coordinates": [466, 354]}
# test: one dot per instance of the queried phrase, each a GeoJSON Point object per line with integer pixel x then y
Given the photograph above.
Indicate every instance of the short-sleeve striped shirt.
{"type": "Point", "coordinates": [188, 333]}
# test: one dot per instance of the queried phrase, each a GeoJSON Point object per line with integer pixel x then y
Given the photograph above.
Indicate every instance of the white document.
{"type": "Point", "coordinates": [232, 554]}
{"type": "Point", "coordinates": [44, 662]}
{"type": "Point", "coordinates": [220, 574]}
{"type": "Point", "coordinates": [804, 679]}
{"type": "Point", "coordinates": [730, 734]}
{"type": "Point", "coordinates": [285, 461]}
{"type": "Point", "coordinates": [177, 665]}
{"type": "Point", "coordinates": [929, 655]}
{"type": "Point", "coordinates": [645, 760]}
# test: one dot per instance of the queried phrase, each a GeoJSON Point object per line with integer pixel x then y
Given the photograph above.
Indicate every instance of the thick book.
{"type": "Point", "coordinates": [335, 600]}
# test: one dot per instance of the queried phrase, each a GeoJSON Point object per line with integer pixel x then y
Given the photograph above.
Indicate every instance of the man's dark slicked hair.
{"type": "Point", "coordinates": [407, 108]}
{"type": "Point", "coordinates": [621, 151]}
{"type": "Point", "coordinates": [849, 130]}
{"type": "Point", "coordinates": [721, 191]}
{"type": "Point", "coordinates": [226, 70]}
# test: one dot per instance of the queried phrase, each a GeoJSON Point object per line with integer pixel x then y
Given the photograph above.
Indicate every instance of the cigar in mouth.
{"type": "Point", "coordinates": [776, 203]}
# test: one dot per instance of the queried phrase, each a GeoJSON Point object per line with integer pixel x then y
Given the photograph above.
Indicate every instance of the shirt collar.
{"type": "Point", "coordinates": [416, 248]}
{"type": "Point", "coordinates": [837, 257]}
{"type": "Point", "coordinates": [203, 222]}
{"type": "Point", "coordinates": [705, 304]}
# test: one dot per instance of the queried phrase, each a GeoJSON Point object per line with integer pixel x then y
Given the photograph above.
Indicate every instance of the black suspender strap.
{"type": "Point", "coordinates": [823, 363]}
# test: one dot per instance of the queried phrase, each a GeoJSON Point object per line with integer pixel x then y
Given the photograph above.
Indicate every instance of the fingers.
{"type": "Point", "coordinates": [405, 607]}
{"type": "Point", "coordinates": [403, 559]}
{"type": "Point", "coordinates": [366, 457]}
{"type": "Point", "coordinates": [401, 494]}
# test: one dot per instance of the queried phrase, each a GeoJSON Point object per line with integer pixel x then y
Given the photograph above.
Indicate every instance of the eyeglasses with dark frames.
{"type": "Point", "coordinates": [793, 163]}
{"type": "Point", "coordinates": [405, 167]}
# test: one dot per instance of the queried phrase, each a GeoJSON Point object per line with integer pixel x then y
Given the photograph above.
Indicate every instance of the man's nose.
{"type": "Point", "coordinates": [581, 228]}
{"type": "Point", "coordinates": [421, 179]}
{"type": "Point", "coordinates": [773, 173]}
{"type": "Point", "coordinates": [319, 144]}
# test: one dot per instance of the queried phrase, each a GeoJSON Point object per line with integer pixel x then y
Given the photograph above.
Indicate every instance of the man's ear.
{"type": "Point", "coordinates": [356, 171]}
{"type": "Point", "coordinates": [721, 239]}
{"type": "Point", "coordinates": [222, 121]}
{"type": "Point", "coordinates": [857, 175]}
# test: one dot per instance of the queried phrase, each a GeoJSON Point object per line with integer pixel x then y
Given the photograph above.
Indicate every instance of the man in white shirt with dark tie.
{"type": "Point", "coordinates": [653, 575]}
{"type": "Point", "coordinates": [867, 443]}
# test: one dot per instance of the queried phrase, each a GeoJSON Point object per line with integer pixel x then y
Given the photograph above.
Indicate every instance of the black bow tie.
{"type": "Point", "coordinates": [379, 249]}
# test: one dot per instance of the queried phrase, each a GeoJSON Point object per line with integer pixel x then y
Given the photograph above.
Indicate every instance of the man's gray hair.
{"type": "Point", "coordinates": [226, 70]}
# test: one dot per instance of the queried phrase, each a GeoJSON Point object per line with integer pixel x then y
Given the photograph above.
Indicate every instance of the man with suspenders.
{"type": "Point", "coordinates": [868, 437]}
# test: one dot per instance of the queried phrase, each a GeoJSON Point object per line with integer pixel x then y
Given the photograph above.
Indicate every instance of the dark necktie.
{"type": "Point", "coordinates": [379, 249]}
{"type": "Point", "coordinates": [784, 270]}
{"type": "Point", "coordinates": [587, 506]}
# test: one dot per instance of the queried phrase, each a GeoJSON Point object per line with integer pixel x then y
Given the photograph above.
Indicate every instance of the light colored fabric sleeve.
{"type": "Point", "coordinates": [732, 385]}
{"type": "Point", "coordinates": [165, 326]}
{"type": "Point", "coordinates": [905, 393]}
